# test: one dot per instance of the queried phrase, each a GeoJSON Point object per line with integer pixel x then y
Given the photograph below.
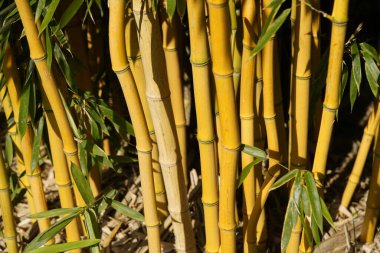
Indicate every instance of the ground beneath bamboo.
{"type": "Point", "coordinates": [121, 234]}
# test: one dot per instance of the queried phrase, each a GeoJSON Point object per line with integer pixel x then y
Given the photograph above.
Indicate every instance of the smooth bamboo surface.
{"type": "Point", "coordinates": [49, 85]}
{"type": "Point", "coordinates": [220, 30]}
{"type": "Point", "coordinates": [26, 142]}
{"type": "Point", "coordinates": [144, 147]}
{"type": "Point", "coordinates": [200, 60]}
{"type": "Point", "coordinates": [135, 62]}
{"type": "Point", "coordinates": [158, 95]}
{"type": "Point", "coordinates": [170, 45]}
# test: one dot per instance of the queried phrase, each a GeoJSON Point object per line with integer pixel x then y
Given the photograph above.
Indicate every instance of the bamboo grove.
{"type": "Point", "coordinates": [225, 109]}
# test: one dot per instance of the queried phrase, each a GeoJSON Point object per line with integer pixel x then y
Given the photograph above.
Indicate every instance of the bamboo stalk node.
{"type": "Point", "coordinates": [216, 203]}
{"type": "Point", "coordinates": [339, 23]}
{"type": "Point", "coordinates": [302, 77]}
{"type": "Point", "coordinates": [210, 141]}
{"type": "Point", "coordinates": [39, 59]}
{"type": "Point", "coordinates": [147, 151]}
{"type": "Point", "coordinates": [228, 75]}
{"type": "Point", "coordinates": [74, 153]}
{"type": "Point", "coordinates": [125, 69]}
{"type": "Point", "coordinates": [200, 64]}
{"type": "Point", "coordinates": [330, 109]}
{"type": "Point", "coordinates": [217, 5]}
{"type": "Point", "coordinates": [5, 189]}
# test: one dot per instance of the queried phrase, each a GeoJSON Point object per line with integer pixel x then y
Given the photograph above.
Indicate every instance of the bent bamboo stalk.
{"type": "Point", "coordinates": [158, 95]}
{"type": "Point", "coordinates": [204, 110]}
{"type": "Point", "coordinates": [135, 62]}
{"type": "Point", "coordinates": [144, 147]}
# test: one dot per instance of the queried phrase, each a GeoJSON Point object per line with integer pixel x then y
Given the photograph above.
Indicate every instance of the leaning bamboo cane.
{"type": "Point", "coordinates": [158, 95]}
{"type": "Point", "coordinates": [299, 114]}
{"type": "Point", "coordinates": [373, 203]}
{"type": "Point", "coordinates": [12, 131]}
{"type": "Point", "coordinates": [223, 71]}
{"type": "Point", "coordinates": [331, 103]}
{"type": "Point", "coordinates": [170, 45]}
{"type": "Point", "coordinates": [365, 145]}
{"type": "Point", "coordinates": [10, 234]}
{"type": "Point", "coordinates": [49, 86]}
{"type": "Point", "coordinates": [144, 147]}
{"type": "Point", "coordinates": [26, 142]}
{"type": "Point", "coordinates": [135, 62]}
{"type": "Point", "coordinates": [206, 135]}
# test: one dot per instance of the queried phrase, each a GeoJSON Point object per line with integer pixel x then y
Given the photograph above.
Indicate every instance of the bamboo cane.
{"type": "Point", "coordinates": [26, 142]}
{"type": "Point", "coordinates": [373, 203]}
{"type": "Point", "coordinates": [206, 136]}
{"type": "Point", "coordinates": [49, 86]}
{"type": "Point", "coordinates": [144, 147]}
{"type": "Point", "coordinates": [331, 103]}
{"type": "Point", "coordinates": [299, 115]}
{"type": "Point", "coordinates": [235, 46]}
{"type": "Point", "coordinates": [365, 145]}
{"type": "Point", "coordinates": [158, 95]}
{"type": "Point", "coordinates": [10, 234]}
{"type": "Point", "coordinates": [170, 45]}
{"type": "Point", "coordinates": [223, 71]}
{"type": "Point", "coordinates": [134, 58]}
{"type": "Point", "coordinates": [12, 131]}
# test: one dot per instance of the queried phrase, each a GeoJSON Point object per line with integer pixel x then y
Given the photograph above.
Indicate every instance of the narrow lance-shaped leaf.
{"type": "Point", "coordinates": [369, 50]}
{"type": "Point", "coordinates": [314, 199]}
{"type": "Point", "coordinates": [37, 144]}
{"type": "Point", "coordinates": [8, 150]}
{"type": "Point", "coordinates": [356, 66]}
{"type": "Point", "coordinates": [51, 8]}
{"type": "Point", "coordinates": [70, 12]}
{"type": "Point", "coordinates": [247, 170]}
{"type": "Point", "coordinates": [353, 91]}
{"type": "Point", "coordinates": [372, 72]}
{"type": "Point", "coordinates": [181, 8]}
{"type": "Point", "coordinates": [55, 212]}
{"type": "Point", "coordinates": [64, 247]}
{"type": "Point", "coordinates": [64, 66]}
{"type": "Point", "coordinates": [326, 213]}
{"type": "Point", "coordinates": [70, 118]}
{"type": "Point", "coordinates": [343, 83]}
{"type": "Point", "coordinates": [24, 110]}
{"type": "Point", "coordinates": [284, 179]}
{"type": "Point", "coordinates": [40, 7]}
{"type": "Point", "coordinates": [288, 225]}
{"type": "Point", "coordinates": [92, 228]}
{"type": "Point", "coordinates": [170, 7]}
{"type": "Point", "coordinates": [272, 29]}
{"type": "Point", "coordinates": [82, 184]}
{"type": "Point", "coordinates": [49, 48]}
{"type": "Point", "coordinates": [127, 211]}
{"type": "Point", "coordinates": [314, 230]}
{"type": "Point", "coordinates": [253, 151]}
{"type": "Point", "coordinates": [275, 5]}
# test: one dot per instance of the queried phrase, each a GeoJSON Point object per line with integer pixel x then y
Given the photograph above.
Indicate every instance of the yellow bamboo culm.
{"type": "Point", "coordinates": [158, 96]}
{"type": "Point", "coordinates": [235, 46]}
{"type": "Point", "coordinates": [373, 200]}
{"type": "Point", "coordinates": [12, 131]}
{"type": "Point", "coordinates": [220, 30]}
{"type": "Point", "coordinates": [204, 109]}
{"type": "Point", "coordinates": [365, 145]}
{"type": "Point", "coordinates": [49, 86]}
{"type": "Point", "coordinates": [144, 147]}
{"type": "Point", "coordinates": [331, 102]}
{"type": "Point", "coordinates": [170, 45]}
{"type": "Point", "coordinates": [10, 234]}
{"type": "Point", "coordinates": [299, 113]}
{"type": "Point", "coordinates": [135, 62]}
{"type": "Point", "coordinates": [26, 142]}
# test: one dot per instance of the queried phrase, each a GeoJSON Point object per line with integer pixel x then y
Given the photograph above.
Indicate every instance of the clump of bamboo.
{"type": "Point", "coordinates": [204, 108]}
{"type": "Point", "coordinates": [158, 96]}
{"type": "Point", "coordinates": [365, 145]}
{"type": "Point", "coordinates": [10, 234]}
{"type": "Point", "coordinates": [49, 86]}
{"type": "Point", "coordinates": [26, 142]}
{"type": "Point", "coordinates": [170, 45]}
{"type": "Point", "coordinates": [223, 70]}
{"type": "Point", "coordinates": [135, 62]}
{"type": "Point", "coordinates": [144, 146]}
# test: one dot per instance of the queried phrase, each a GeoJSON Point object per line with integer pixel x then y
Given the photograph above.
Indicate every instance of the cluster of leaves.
{"type": "Point", "coordinates": [89, 213]}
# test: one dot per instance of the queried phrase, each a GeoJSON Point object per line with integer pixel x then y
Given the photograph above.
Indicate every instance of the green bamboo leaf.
{"type": "Point", "coordinates": [306, 227]}
{"type": "Point", "coordinates": [297, 188]}
{"type": "Point", "coordinates": [122, 159]}
{"type": "Point", "coordinates": [94, 129]}
{"type": "Point", "coordinates": [24, 109]}
{"type": "Point", "coordinates": [92, 228]}
{"type": "Point", "coordinates": [326, 213]}
{"type": "Point", "coordinates": [314, 231]}
{"type": "Point", "coordinates": [288, 225]}
{"type": "Point", "coordinates": [372, 72]}
{"type": "Point", "coordinates": [99, 4]}
{"type": "Point", "coordinates": [170, 8]}
{"type": "Point", "coordinates": [61, 38]}
{"type": "Point", "coordinates": [40, 7]}
{"type": "Point", "coordinates": [64, 247]}
{"type": "Point", "coordinates": [305, 201]}
{"type": "Point", "coordinates": [275, 6]}
{"type": "Point", "coordinates": [284, 179]}
{"type": "Point", "coordinates": [8, 150]}
{"type": "Point", "coordinates": [127, 211]}
{"type": "Point", "coordinates": [70, 12]}
{"type": "Point", "coordinates": [370, 50]}
{"type": "Point", "coordinates": [119, 123]}
{"type": "Point", "coordinates": [181, 8]}
{"type": "Point", "coordinates": [46, 235]}
{"type": "Point", "coordinates": [70, 118]}
{"type": "Point", "coordinates": [246, 171]}
{"type": "Point", "coordinates": [314, 199]}
{"type": "Point", "coordinates": [272, 29]}
{"type": "Point", "coordinates": [56, 212]}
{"type": "Point", "coordinates": [356, 66]}
{"type": "Point", "coordinates": [49, 48]}
{"type": "Point", "coordinates": [51, 8]}
{"type": "Point", "coordinates": [64, 66]}
{"type": "Point", "coordinates": [83, 158]}
{"type": "Point", "coordinates": [91, 112]}
{"type": "Point", "coordinates": [109, 195]}
{"type": "Point", "coordinates": [99, 153]}
{"type": "Point", "coordinates": [253, 151]}
{"type": "Point", "coordinates": [82, 184]}
{"type": "Point", "coordinates": [37, 144]}
{"type": "Point", "coordinates": [343, 82]}
{"type": "Point", "coordinates": [353, 91]}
